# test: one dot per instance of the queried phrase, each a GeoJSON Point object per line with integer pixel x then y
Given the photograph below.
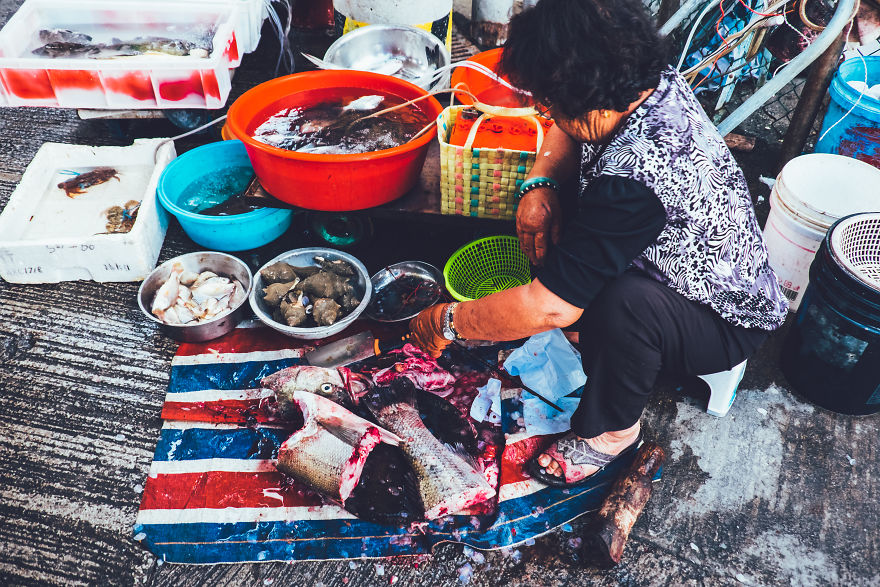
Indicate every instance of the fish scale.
{"type": "Point", "coordinates": [447, 482]}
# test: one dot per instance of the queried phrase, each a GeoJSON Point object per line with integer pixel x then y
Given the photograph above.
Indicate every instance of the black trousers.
{"type": "Point", "coordinates": [638, 328]}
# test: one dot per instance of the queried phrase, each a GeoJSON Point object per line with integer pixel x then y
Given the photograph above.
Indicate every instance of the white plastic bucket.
{"type": "Point", "coordinates": [810, 194]}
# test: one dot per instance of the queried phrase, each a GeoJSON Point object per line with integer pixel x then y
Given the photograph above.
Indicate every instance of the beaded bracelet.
{"type": "Point", "coordinates": [534, 183]}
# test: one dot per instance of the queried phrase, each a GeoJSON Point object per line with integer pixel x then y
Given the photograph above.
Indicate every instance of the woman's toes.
{"type": "Point", "coordinates": [544, 460]}
{"type": "Point", "coordinates": [554, 469]}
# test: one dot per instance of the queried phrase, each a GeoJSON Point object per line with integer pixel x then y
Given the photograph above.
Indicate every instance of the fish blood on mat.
{"type": "Point", "coordinates": [448, 481]}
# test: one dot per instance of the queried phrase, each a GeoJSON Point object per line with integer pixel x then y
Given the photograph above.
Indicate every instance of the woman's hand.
{"type": "Point", "coordinates": [427, 330]}
{"type": "Point", "coordinates": [538, 223]}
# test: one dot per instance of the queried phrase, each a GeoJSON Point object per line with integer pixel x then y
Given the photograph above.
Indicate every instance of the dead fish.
{"type": "Point", "coordinates": [62, 36]}
{"type": "Point", "coordinates": [77, 185]}
{"type": "Point", "coordinates": [364, 103]}
{"type": "Point", "coordinates": [446, 422]}
{"type": "Point", "coordinates": [336, 384]}
{"type": "Point", "coordinates": [448, 483]}
{"type": "Point", "coordinates": [335, 453]}
{"type": "Point", "coordinates": [66, 49]}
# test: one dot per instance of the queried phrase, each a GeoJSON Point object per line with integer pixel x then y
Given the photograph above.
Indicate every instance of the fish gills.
{"type": "Point", "coordinates": [447, 482]}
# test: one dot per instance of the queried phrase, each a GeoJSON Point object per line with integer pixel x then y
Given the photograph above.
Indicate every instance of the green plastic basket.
{"type": "Point", "coordinates": [486, 266]}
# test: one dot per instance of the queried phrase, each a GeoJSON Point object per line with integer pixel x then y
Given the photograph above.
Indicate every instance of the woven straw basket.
{"type": "Point", "coordinates": [480, 182]}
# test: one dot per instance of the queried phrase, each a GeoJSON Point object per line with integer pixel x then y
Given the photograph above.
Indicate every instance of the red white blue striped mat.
{"type": "Point", "coordinates": [213, 494]}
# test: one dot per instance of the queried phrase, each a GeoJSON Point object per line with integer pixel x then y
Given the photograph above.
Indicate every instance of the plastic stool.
{"type": "Point", "coordinates": [722, 389]}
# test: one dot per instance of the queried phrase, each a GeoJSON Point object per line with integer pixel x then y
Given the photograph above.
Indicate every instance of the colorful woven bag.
{"type": "Point", "coordinates": [480, 182]}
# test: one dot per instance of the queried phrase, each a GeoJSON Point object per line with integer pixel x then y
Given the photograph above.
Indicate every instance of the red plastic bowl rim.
{"type": "Point", "coordinates": [238, 132]}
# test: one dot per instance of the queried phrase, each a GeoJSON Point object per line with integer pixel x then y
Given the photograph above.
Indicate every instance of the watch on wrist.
{"type": "Point", "coordinates": [449, 332]}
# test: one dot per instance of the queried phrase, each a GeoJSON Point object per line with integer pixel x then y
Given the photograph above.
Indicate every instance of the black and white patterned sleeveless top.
{"type": "Point", "coordinates": [711, 250]}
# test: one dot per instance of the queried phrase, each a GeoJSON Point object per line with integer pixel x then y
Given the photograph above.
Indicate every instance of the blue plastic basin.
{"type": "Point", "coordinates": [238, 232]}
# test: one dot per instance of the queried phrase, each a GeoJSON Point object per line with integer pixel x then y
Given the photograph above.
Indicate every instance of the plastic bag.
{"type": "Point", "coordinates": [549, 364]}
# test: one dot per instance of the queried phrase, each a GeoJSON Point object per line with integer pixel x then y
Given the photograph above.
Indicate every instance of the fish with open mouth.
{"type": "Point", "coordinates": [351, 461]}
{"type": "Point", "coordinates": [448, 481]}
{"type": "Point", "coordinates": [338, 384]}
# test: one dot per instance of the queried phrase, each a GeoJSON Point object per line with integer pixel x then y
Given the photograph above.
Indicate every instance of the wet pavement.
{"type": "Point", "coordinates": [776, 493]}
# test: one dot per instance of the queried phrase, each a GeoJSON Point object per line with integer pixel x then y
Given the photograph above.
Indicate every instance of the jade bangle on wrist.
{"type": "Point", "coordinates": [534, 183]}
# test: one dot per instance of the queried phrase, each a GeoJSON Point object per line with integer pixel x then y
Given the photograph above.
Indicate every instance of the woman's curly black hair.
{"type": "Point", "coordinates": [583, 55]}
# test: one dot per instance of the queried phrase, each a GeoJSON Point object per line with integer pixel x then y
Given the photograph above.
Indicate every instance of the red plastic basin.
{"type": "Point", "coordinates": [331, 183]}
{"type": "Point", "coordinates": [486, 89]}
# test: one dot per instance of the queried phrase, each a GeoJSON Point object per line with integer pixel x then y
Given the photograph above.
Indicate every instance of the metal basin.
{"type": "Point", "coordinates": [389, 274]}
{"type": "Point", "coordinates": [220, 263]}
{"type": "Point", "coordinates": [304, 257]}
{"type": "Point", "coordinates": [409, 53]}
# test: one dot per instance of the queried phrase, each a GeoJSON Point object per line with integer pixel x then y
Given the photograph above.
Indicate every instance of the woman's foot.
{"type": "Point", "coordinates": [568, 460]}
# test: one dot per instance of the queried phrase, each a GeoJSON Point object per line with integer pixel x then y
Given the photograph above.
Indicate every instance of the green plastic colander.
{"type": "Point", "coordinates": [486, 266]}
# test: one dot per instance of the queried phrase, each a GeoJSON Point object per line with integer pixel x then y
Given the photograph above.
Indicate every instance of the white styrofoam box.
{"type": "Point", "coordinates": [251, 15]}
{"type": "Point", "coordinates": [47, 237]}
{"type": "Point", "coordinates": [142, 81]}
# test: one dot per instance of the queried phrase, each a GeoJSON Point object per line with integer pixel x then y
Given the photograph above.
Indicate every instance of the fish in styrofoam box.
{"type": "Point", "coordinates": [50, 234]}
{"type": "Point", "coordinates": [125, 55]}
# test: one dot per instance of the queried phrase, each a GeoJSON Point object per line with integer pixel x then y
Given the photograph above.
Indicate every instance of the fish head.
{"type": "Point", "coordinates": [328, 383]}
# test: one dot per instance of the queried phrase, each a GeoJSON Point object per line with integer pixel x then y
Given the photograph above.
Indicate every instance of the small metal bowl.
{"type": "Point", "coordinates": [387, 275]}
{"type": "Point", "coordinates": [301, 258]}
{"type": "Point", "coordinates": [377, 47]}
{"type": "Point", "coordinates": [221, 264]}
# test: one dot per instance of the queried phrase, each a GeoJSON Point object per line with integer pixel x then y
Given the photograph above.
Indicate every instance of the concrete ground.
{"type": "Point", "coordinates": [776, 493]}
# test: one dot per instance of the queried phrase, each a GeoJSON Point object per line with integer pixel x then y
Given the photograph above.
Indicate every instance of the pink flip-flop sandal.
{"type": "Point", "coordinates": [571, 454]}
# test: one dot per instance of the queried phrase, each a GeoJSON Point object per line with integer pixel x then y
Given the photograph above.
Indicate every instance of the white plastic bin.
{"type": "Point", "coordinates": [141, 81]}
{"type": "Point", "coordinates": [47, 237]}
{"type": "Point", "coordinates": [810, 194]}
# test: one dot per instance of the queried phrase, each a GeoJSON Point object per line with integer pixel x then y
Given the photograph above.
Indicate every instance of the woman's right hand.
{"type": "Point", "coordinates": [538, 223]}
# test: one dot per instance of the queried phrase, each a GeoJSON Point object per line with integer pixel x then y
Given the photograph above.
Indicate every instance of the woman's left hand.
{"type": "Point", "coordinates": [427, 330]}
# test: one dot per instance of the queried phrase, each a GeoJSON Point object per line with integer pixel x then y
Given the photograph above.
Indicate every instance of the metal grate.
{"type": "Point", "coordinates": [722, 47]}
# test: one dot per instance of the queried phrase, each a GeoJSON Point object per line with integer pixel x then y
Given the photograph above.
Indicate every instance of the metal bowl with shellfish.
{"type": "Point", "coordinates": [198, 296]}
{"type": "Point", "coordinates": [311, 293]}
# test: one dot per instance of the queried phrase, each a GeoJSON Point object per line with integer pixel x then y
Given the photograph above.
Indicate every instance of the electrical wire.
{"type": "Point", "coordinates": [186, 134]}
{"type": "Point", "coordinates": [861, 94]}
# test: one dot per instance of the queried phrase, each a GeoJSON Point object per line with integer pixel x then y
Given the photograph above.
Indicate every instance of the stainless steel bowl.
{"type": "Point", "coordinates": [221, 264]}
{"type": "Point", "coordinates": [387, 275]}
{"type": "Point", "coordinates": [409, 53]}
{"type": "Point", "coordinates": [304, 257]}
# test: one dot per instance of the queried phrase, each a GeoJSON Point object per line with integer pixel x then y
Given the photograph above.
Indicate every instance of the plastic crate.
{"type": "Point", "coordinates": [251, 15]}
{"type": "Point", "coordinates": [143, 81]}
{"type": "Point", "coordinates": [47, 237]}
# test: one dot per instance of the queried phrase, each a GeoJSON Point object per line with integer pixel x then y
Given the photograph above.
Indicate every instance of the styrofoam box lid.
{"type": "Point", "coordinates": [822, 188]}
{"type": "Point", "coordinates": [17, 37]}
